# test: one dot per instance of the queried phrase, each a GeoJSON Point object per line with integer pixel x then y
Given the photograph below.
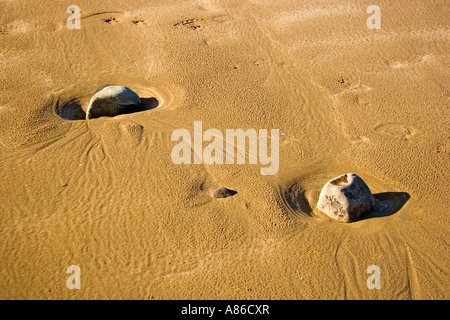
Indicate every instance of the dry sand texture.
{"type": "Point", "coordinates": [104, 195]}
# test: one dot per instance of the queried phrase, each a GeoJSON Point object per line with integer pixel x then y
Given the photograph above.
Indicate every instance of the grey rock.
{"type": "Point", "coordinates": [346, 198]}
{"type": "Point", "coordinates": [112, 101]}
{"type": "Point", "coordinates": [223, 192]}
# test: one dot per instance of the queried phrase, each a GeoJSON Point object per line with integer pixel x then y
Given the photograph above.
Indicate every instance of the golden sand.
{"type": "Point", "coordinates": [104, 195]}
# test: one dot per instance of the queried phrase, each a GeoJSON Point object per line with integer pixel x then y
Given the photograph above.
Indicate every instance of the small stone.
{"type": "Point", "coordinates": [345, 198]}
{"type": "Point", "coordinates": [112, 101]}
{"type": "Point", "coordinates": [223, 192]}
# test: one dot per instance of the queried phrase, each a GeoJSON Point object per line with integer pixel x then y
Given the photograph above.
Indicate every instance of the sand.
{"type": "Point", "coordinates": [103, 194]}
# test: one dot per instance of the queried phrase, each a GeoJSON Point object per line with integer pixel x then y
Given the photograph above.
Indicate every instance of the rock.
{"type": "Point", "coordinates": [112, 101]}
{"type": "Point", "coordinates": [223, 192]}
{"type": "Point", "coordinates": [345, 198]}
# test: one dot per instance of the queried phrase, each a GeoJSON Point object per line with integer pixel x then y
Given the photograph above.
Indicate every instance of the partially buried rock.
{"type": "Point", "coordinates": [112, 101]}
{"type": "Point", "coordinates": [223, 192]}
{"type": "Point", "coordinates": [345, 198]}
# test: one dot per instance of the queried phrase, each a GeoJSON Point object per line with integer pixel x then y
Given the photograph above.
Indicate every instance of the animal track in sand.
{"type": "Point", "coordinates": [109, 17]}
{"type": "Point", "coordinates": [111, 20]}
{"type": "Point", "coordinates": [397, 130]}
{"type": "Point", "coordinates": [351, 84]}
{"type": "Point", "coordinates": [14, 27]}
{"type": "Point", "coordinates": [113, 17]}
{"type": "Point", "coordinates": [397, 64]}
{"type": "Point", "coordinates": [193, 23]}
{"type": "Point", "coordinates": [21, 26]}
{"type": "Point", "coordinates": [345, 82]}
{"type": "Point", "coordinates": [138, 21]}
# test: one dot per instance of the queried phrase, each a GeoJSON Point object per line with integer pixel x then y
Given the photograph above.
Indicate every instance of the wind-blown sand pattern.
{"type": "Point", "coordinates": [103, 194]}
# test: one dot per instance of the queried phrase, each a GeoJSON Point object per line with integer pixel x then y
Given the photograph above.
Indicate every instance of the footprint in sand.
{"type": "Point", "coordinates": [14, 27]}
{"type": "Point", "coordinates": [110, 17]}
{"type": "Point", "coordinates": [111, 20]}
{"type": "Point", "coordinates": [113, 17]}
{"type": "Point", "coordinates": [137, 21]}
{"type": "Point", "coordinates": [397, 130]}
{"type": "Point", "coordinates": [348, 84]}
{"type": "Point", "coordinates": [133, 130]}
{"type": "Point", "coordinates": [192, 24]}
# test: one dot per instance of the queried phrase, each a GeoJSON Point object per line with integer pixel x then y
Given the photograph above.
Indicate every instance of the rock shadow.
{"type": "Point", "coordinates": [386, 204]}
{"type": "Point", "coordinates": [146, 104]}
{"type": "Point", "coordinates": [73, 110]}
{"type": "Point", "coordinates": [296, 200]}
